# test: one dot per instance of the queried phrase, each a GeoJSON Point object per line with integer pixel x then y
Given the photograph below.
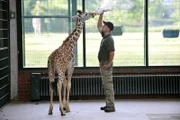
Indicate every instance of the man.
{"type": "Point", "coordinates": [105, 56]}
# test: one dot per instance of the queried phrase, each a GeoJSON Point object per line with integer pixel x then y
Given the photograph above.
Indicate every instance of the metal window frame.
{"type": "Point", "coordinates": [73, 10]}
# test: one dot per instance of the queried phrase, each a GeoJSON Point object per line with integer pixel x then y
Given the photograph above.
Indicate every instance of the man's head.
{"type": "Point", "coordinates": [107, 28]}
{"type": "Point", "coordinates": [109, 25]}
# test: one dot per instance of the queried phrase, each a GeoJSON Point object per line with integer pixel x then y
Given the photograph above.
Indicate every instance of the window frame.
{"type": "Point", "coordinates": [73, 9]}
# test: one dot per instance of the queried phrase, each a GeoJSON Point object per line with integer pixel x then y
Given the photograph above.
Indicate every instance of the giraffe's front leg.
{"type": "Point", "coordinates": [59, 85]}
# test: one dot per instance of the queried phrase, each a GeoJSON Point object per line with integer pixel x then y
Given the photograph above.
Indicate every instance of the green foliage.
{"type": "Point", "coordinates": [28, 6]}
{"type": "Point", "coordinates": [45, 8]}
{"type": "Point", "coordinates": [176, 14]}
{"type": "Point", "coordinates": [131, 16]}
{"type": "Point", "coordinates": [156, 9]}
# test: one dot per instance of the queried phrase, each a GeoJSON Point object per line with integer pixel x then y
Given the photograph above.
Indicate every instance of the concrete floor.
{"type": "Point", "coordinates": [89, 110]}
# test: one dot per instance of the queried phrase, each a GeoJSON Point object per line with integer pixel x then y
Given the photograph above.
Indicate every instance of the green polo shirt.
{"type": "Point", "coordinates": [106, 46]}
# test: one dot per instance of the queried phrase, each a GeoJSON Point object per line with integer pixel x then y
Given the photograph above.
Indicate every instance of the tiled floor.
{"type": "Point", "coordinates": [89, 110]}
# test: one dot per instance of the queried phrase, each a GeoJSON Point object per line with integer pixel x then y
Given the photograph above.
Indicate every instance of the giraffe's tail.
{"type": "Point", "coordinates": [52, 85]}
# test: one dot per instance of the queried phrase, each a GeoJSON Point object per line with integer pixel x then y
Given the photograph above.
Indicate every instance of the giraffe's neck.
{"type": "Point", "coordinates": [75, 34]}
{"type": "Point", "coordinates": [72, 39]}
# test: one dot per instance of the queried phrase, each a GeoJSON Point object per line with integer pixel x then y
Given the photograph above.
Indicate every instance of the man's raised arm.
{"type": "Point", "coordinates": [100, 22]}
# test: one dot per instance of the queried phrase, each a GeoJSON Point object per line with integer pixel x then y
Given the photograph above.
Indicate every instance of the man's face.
{"type": "Point", "coordinates": [105, 28]}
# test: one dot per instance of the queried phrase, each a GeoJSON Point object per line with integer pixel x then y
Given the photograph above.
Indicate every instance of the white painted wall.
{"type": "Point", "coordinates": [13, 52]}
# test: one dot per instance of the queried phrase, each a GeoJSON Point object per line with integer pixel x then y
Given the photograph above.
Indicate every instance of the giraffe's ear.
{"type": "Point", "coordinates": [75, 17]}
{"type": "Point", "coordinates": [78, 15]}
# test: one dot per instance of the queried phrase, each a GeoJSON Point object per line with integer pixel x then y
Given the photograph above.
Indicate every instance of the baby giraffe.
{"type": "Point", "coordinates": [61, 61]}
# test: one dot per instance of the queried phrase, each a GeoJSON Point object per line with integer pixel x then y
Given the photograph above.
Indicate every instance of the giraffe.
{"type": "Point", "coordinates": [36, 22]}
{"type": "Point", "coordinates": [61, 61]}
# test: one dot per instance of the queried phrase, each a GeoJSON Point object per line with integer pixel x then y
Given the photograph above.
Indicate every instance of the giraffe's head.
{"type": "Point", "coordinates": [83, 16]}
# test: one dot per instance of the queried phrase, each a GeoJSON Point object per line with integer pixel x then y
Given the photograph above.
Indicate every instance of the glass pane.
{"type": "Point", "coordinates": [78, 54]}
{"type": "Point", "coordinates": [164, 25]}
{"type": "Point", "coordinates": [45, 7]}
{"type": "Point", "coordinates": [130, 45]}
{"type": "Point", "coordinates": [42, 36]}
{"type": "Point", "coordinates": [79, 4]}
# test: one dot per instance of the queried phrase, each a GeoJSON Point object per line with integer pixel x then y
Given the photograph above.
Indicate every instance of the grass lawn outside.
{"type": "Point", "coordinates": [129, 49]}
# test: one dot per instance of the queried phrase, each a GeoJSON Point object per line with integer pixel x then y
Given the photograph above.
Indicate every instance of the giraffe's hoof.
{"type": "Point", "coordinates": [50, 113]}
{"type": "Point", "coordinates": [67, 111]}
{"type": "Point", "coordinates": [62, 114]}
{"type": "Point", "coordinates": [64, 108]}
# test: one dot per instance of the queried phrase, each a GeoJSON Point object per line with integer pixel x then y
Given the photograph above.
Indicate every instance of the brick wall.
{"type": "Point", "coordinates": [24, 76]}
{"type": "Point", "coordinates": [24, 85]}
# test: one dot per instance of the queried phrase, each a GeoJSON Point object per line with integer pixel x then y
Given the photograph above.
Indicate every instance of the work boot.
{"type": "Point", "coordinates": [109, 109]}
{"type": "Point", "coordinates": [103, 108]}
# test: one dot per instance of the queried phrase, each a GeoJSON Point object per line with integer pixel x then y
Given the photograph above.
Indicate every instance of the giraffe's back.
{"type": "Point", "coordinates": [60, 58]}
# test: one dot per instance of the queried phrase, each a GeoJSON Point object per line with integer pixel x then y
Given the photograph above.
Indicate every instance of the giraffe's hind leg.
{"type": "Point", "coordinates": [51, 87]}
{"type": "Point", "coordinates": [51, 98]}
{"type": "Point", "coordinates": [61, 108]}
{"type": "Point", "coordinates": [64, 95]}
{"type": "Point", "coordinates": [61, 77]}
{"type": "Point", "coordinates": [68, 94]}
{"type": "Point", "coordinates": [69, 75]}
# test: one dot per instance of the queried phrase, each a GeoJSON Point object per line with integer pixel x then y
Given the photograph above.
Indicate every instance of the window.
{"type": "Point", "coordinates": [164, 40]}
{"type": "Point", "coordinates": [47, 23]}
{"type": "Point", "coordinates": [129, 46]}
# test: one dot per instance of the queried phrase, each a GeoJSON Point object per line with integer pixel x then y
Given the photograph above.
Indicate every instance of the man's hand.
{"type": "Point", "coordinates": [106, 66]}
{"type": "Point", "coordinates": [102, 12]}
